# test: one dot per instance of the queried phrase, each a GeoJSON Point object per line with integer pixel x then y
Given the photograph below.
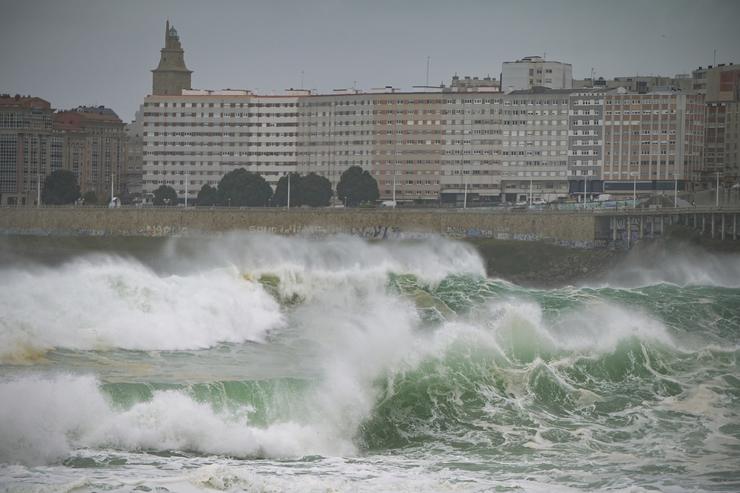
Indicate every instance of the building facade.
{"type": "Point", "coordinates": [133, 184]}
{"type": "Point", "coordinates": [535, 71]}
{"type": "Point", "coordinates": [195, 138]}
{"type": "Point", "coordinates": [654, 139]}
{"type": "Point", "coordinates": [586, 141]}
{"type": "Point", "coordinates": [94, 149]}
{"type": "Point", "coordinates": [29, 148]}
{"type": "Point", "coordinates": [721, 85]}
{"type": "Point", "coordinates": [639, 83]}
{"type": "Point", "coordinates": [466, 143]}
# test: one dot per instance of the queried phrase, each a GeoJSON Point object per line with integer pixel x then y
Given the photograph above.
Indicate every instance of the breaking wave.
{"type": "Point", "coordinates": [374, 349]}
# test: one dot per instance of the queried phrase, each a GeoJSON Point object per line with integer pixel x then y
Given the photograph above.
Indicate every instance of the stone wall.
{"type": "Point", "coordinates": [559, 227]}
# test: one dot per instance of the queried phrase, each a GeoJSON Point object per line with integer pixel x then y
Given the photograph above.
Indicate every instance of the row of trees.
{"type": "Point", "coordinates": [242, 188]}
{"type": "Point", "coordinates": [239, 188]}
{"type": "Point", "coordinates": [61, 188]}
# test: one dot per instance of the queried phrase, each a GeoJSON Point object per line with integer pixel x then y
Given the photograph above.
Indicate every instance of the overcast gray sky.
{"type": "Point", "coordinates": [74, 52]}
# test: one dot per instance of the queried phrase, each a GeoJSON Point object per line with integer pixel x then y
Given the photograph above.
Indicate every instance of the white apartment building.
{"type": "Point", "coordinates": [534, 161]}
{"type": "Point", "coordinates": [586, 140]}
{"type": "Point", "coordinates": [195, 138]}
{"type": "Point", "coordinates": [535, 71]}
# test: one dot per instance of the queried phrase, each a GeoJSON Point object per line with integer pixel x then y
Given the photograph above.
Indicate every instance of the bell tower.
{"type": "Point", "coordinates": [171, 76]}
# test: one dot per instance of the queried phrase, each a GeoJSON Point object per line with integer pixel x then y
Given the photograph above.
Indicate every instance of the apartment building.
{"type": "Point", "coordinates": [94, 148]}
{"type": "Point", "coordinates": [420, 146]}
{"type": "Point", "coordinates": [195, 138]}
{"type": "Point", "coordinates": [638, 83]}
{"type": "Point", "coordinates": [534, 135]}
{"type": "Point", "coordinates": [586, 141]}
{"type": "Point", "coordinates": [654, 139]}
{"type": "Point", "coordinates": [535, 71]}
{"type": "Point", "coordinates": [335, 132]}
{"type": "Point", "coordinates": [721, 85]}
{"type": "Point", "coordinates": [474, 84]}
{"type": "Point", "coordinates": [133, 185]}
{"type": "Point", "coordinates": [29, 148]}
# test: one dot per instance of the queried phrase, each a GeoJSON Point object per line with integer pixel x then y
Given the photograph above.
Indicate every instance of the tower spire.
{"type": "Point", "coordinates": [171, 75]}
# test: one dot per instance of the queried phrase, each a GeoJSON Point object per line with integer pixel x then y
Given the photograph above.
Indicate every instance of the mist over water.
{"type": "Point", "coordinates": [263, 363]}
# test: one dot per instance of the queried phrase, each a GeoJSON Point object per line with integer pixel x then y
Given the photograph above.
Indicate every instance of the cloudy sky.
{"type": "Point", "coordinates": [74, 52]}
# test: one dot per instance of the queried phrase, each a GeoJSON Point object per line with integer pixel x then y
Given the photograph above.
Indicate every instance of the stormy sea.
{"type": "Point", "coordinates": [261, 363]}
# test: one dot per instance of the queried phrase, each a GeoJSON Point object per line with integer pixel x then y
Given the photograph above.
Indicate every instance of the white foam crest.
{"type": "Point", "coordinates": [595, 327]}
{"type": "Point", "coordinates": [431, 259]}
{"type": "Point", "coordinates": [40, 416]}
{"type": "Point", "coordinates": [42, 419]}
{"type": "Point", "coordinates": [109, 302]}
{"type": "Point", "coordinates": [599, 326]}
{"type": "Point", "coordinates": [362, 335]}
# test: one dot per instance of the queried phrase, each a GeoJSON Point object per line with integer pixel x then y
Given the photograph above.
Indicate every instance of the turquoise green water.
{"type": "Point", "coordinates": [276, 364]}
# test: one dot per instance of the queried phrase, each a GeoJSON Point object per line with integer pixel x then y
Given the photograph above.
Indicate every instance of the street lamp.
{"type": "Point", "coordinates": [187, 179]}
{"type": "Point", "coordinates": [288, 190]}
{"type": "Point", "coordinates": [465, 194]}
{"type": "Point", "coordinates": [717, 199]}
{"type": "Point", "coordinates": [634, 188]}
{"type": "Point", "coordinates": [675, 189]}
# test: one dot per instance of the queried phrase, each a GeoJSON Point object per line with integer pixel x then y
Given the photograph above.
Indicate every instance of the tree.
{"type": "Point", "coordinates": [280, 198]}
{"type": "Point", "coordinates": [165, 195]}
{"type": "Point", "coordinates": [208, 195]}
{"type": "Point", "coordinates": [89, 198]}
{"type": "Point", "coordinates": [243, 188]}
{"type": "Point", "coordinates": [357, 186]}
{"type": "Point", "coordinates": [60, 187]}
{"type": "Point", "coordinates": [314, 190]}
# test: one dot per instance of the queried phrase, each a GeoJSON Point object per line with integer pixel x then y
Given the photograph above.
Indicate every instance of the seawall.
{"type": "Point", "coordinates": [563, 228]}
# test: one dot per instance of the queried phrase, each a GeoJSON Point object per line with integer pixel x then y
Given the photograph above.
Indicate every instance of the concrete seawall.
{"type": "Point", "coordinates": [576, 230]}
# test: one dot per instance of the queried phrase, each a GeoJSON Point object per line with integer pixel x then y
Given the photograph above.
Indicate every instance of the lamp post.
{"type": "Point", "coordinates": [531, 191]}
{"type": "Point", "coordinates": [465, 195]}
{"type": "Point", "coordinates": [634, 189]}
{"type": "Point", "coordinates": [394, 185]}
{"type": "Point", "coordinates": [187, 179]}
{"type": "Point", "coordinates": [717, 199]}
{"type": "Point", "coordinates": [675, 189]}
{"type": "Point", "coordinates": [288, 190]}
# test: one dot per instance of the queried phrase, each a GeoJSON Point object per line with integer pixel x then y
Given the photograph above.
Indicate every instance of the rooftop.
{"type": "Point", "coordinates": [19, 101]}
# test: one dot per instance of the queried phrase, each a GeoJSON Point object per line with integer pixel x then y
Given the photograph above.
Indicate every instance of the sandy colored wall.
{"type": "Point", "coordinates": [564, 228]}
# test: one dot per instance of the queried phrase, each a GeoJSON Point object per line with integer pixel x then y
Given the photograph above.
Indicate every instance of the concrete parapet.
{"type": "Point", "coordinates": [564, 228]}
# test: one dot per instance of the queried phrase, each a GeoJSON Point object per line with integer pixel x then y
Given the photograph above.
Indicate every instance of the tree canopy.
{"type": "Point", "coordinates": [357, 186]}
{"type": "Point", "coordinates": [280, 198]}
{"type": "Point", "coordinates": [244, 188]}
{"type": "Point", "coordinates": [208, 195]}
{"type": "Point", "coordinates": [314, 191]}
{"type": "Point", "coordinates": [60, 187]}
{"type": "Point", "coordinates": [89, 198]}
{"type": "Point", "coordinates": [165, 195]}
{"type": "Point", "coordinates": [311, 190]}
